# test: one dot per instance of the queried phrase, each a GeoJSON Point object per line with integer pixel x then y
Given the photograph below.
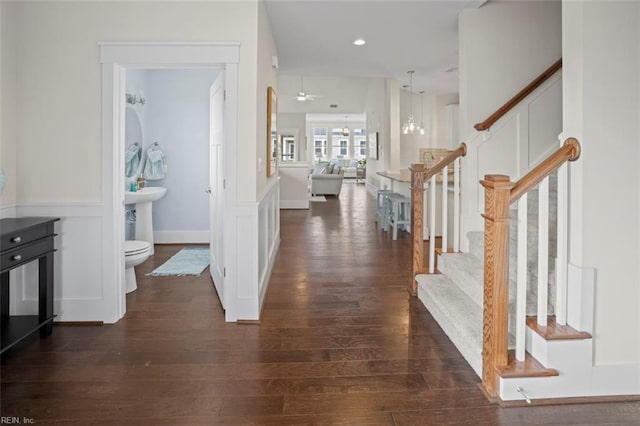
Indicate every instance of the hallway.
{"type": "Point", "coordinates": [340, 342]}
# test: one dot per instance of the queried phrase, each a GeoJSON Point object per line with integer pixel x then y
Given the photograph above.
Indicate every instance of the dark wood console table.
{"type": "Point", "coordinates": [24, 240]}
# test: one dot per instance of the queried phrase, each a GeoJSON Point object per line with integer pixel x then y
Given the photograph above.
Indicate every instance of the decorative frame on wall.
{"type": "Point", "coordinates": [373, 146]}
{"type": "Point", "coordinates": [272, 131]}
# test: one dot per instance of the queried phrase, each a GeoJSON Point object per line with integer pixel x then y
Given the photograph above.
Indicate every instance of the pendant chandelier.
{"type": "Point", "coordinates": [410, 126]}
{"type": "Point", "coordinates": [345, 129]}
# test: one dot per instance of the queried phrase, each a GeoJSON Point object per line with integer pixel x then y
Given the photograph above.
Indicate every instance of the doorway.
{"type": "Point", "coordinates": [116, 58]}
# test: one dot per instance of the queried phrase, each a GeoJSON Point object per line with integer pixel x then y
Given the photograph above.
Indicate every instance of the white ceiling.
{"type": "Point", "coordinates": [315, 38]}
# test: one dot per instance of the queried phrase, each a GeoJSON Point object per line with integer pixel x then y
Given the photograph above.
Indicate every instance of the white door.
{"type": "Point", "coordinates": [216, 182]}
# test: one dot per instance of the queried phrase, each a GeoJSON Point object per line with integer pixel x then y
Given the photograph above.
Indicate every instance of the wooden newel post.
{"type": "Point", "coordinates": [417, 206]}
{"type": "Point", "coordinates": [497, 189]}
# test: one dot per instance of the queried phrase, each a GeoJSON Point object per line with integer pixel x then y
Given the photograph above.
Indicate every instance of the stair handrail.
{"type": "Point", "coordinates": [420, 175]}
{"type": "Point", "coordinates": [526, 91]}
{"type": "Point", "coordinates": [500, 193]}
{"type": "Point", "coordinates": [569, 151]}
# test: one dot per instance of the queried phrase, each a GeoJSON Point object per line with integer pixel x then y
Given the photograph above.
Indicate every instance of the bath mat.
{"type": "Point", "coordinates": [188, 261]}
{"type": "Point", "coordinates": [318, 199]}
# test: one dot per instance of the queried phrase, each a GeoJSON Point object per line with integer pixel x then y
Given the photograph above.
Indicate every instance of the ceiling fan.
{"type": "Point", "coordinates": [303, 96]}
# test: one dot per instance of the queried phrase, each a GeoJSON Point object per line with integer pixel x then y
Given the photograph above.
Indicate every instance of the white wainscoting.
{"type": "Point", "coordinates": [78, 286]}
{"type": "Point", "coordinates": [514, 145]}
{"type": "Point", "coordinates": [255, 234]}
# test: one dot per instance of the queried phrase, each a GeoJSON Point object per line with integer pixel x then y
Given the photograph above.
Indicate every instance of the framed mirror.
{"type": "Point", "coordinates": [272, 131]}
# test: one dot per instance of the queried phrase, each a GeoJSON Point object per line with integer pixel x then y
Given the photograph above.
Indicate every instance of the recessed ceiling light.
{"type": "Point", "coordinates": [359, 42]}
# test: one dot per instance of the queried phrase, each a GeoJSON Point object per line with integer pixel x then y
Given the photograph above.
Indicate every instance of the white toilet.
{"type": "Point", "coordinates": [135, 252]}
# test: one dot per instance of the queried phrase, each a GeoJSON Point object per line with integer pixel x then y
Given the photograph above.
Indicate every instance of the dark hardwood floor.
{"type": "Point", "coordinates": [341, 342]}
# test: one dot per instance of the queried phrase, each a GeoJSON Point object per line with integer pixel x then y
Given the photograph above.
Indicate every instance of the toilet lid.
{"type": "Point", "coordinates": [132, 247]}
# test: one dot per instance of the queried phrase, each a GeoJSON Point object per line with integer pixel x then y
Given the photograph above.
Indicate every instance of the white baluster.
{"type": "Point", "coordinates": [456, 205]}
{"type": "Point", "coordinates": [521, 290]}
{"type": "Point", "coordinates": [543, 251]}
{"type": "Point", "coordinates": [432, 224]}
{"type": "Point", "coordinates": [445, 184]}
{"type": "Point", "coordinates": [562, 252]}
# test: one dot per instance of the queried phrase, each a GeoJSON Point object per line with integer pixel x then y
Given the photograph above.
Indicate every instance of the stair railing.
{"type": "Point", "coordinates": [500, 194]}
{"type": "Point", "coordinates": [420, 176]}
{"type": "Point", "coordinates": [526, 91]}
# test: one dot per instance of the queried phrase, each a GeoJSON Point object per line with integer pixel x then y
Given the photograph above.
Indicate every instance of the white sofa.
{"type": "Point", "coordinates": [326, 179]}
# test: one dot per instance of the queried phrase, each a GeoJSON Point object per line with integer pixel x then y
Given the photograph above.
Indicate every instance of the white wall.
{"type": "Point", "coordinates": [59, 79]}
{"type": "Point", "coordinates": [177, 117]}
{"type": "Point", "coordinates": [503, 46]}
{"type": "Point", "coordinates": [377, 112]}
{"type": "Point", "coordinates": [392, 89]}
{"type": "Point", "coordinates": [8, 101]}
{"type": "Point", "coordinates": [442, 122]}
{"type": "Point", "coordinates": [602, 108]}
{"type": "Point", "coordinates": [267, 76]}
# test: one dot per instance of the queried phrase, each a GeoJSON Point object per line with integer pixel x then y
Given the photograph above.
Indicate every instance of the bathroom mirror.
{"type": "Point", "coordinates": [272, 131]}
{"type": "Point", "coordinates": [132, 136]}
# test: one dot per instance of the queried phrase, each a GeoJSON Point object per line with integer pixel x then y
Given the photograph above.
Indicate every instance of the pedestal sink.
{"type": "Point", "coordinates": [144, 220]}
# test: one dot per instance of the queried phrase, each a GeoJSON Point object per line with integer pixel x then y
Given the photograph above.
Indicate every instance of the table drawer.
{"type": "Point", "coordinates": [25, 253]}
{"type": "Point", "coordinates": [18, 238]}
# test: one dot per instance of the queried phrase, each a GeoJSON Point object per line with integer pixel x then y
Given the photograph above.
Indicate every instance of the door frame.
{"type": "Point", "coordinates": [115, 58]}
{"type": "Point", "coordinates": [216, 191]}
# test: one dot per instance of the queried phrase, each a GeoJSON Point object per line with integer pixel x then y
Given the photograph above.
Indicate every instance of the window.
{"type": "Point", "coordinates": [320, 143]}
{"type": "Point", "coordinates": [360, 144]}
{"type": "Point", "coordinates": [339, 144]}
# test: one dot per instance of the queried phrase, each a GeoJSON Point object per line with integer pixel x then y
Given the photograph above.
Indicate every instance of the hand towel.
{"type": "Point", "coordinates": [155, 168]}
{"type": "Point", "coordinates": [132, 160]}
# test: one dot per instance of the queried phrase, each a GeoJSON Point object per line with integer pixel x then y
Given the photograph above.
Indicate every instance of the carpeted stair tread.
{"type": "Point", "coordinates": [476, 244]}
{"type": "Point", "coordinates": [466, 271]}
{"type": "Point", "coordinates": [455, 312]}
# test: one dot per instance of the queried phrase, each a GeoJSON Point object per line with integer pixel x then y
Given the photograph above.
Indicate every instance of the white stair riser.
{"type": "Point", "coordinates": [466, 273]}
{"type": "Point", "coordinates": [560, 354]}
{"type": "Point", "coordinates": [572, 359]}
{"type": "Point", "coordinates": [563, 386]}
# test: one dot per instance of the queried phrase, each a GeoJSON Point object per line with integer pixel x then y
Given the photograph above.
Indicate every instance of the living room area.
{"type": "Point", "coordinates": [322, 151]}
{"type": "Point", "coordinates": [337, 130]}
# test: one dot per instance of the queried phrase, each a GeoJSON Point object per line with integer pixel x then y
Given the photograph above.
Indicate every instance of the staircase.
{"type": "Point", "coordinates": [490, 310]}
{"type": "Point", "coordinates": [455, 295]}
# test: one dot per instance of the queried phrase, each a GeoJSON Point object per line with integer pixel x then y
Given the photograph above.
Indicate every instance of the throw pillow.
{"type": "Point", "coordinates": [336, 170]}
{"type": "Point", "coordinates": [329, 169]}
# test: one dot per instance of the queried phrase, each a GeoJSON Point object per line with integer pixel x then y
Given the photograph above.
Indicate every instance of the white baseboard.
{"type": "Point", "coordinates": [181, 237]}
{"type": "Point", "coordinates": [294, 204]}
{"type": "Point", "coordinates": [8, 211]}
{"type": "Point", "coordinates": [616, 379]}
